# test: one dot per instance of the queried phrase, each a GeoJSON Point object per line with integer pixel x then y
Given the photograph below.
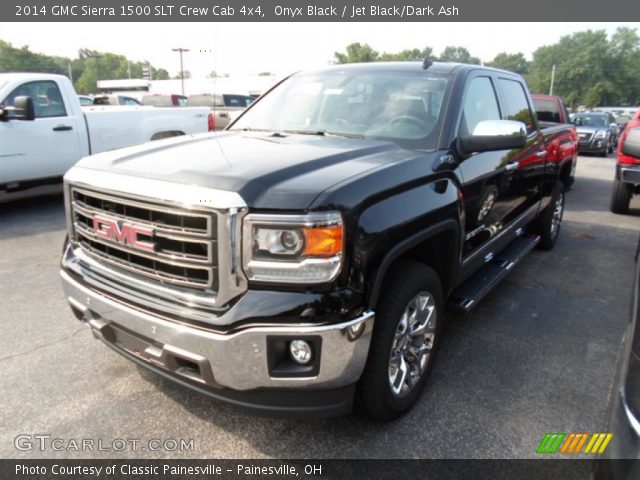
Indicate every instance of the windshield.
{"type": "Point", "coordinates": [241, 101]}
{"type": "Point", "coordinates": [404, 107]}
{"type": "Point", "coordinates": [590, 120]}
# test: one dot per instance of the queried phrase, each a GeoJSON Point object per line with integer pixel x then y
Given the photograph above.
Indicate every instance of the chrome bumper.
{"type": "Point", "coordinates": [236, 361]}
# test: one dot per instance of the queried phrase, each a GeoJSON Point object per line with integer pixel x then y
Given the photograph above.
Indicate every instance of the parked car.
{"type": "Point", "coordinates": [597, 132]}
{"type": "Point", "coordinates": [627, 179]}
{"type": "Point", "coordinates": [158, 100]}
{"type": "Point", "coordinates": [621, 123]}
{"type": "Point", "coordinates": [116, 100]}
{"type": "Point", "coordinates": [563, 149]}
{"type": "Point", "coordinates": [44, 130]}
{"type": "Point", "coordinates": [305, 256]}
{"type": "Point", "coordinates": [624, 402]}
{"type": "Point", "coordinates": [226, 107]}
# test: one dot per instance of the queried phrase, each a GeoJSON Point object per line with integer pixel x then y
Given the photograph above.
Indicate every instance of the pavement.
{"type": "Point", "coordinates": [538, 355]}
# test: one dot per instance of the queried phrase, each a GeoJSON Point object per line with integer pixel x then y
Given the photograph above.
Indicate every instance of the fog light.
{"type": "Point", "coordinates": [300, 351]}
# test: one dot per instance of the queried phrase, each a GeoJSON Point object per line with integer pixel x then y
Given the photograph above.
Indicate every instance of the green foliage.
{"type": "Point", "coordinates": [513, 62]}
{"type": "Point", "coordinates": [459, 55]}
{"type": "Point", "coordinates": [85, 70]}
{"type": "Point", "coordinates": [357, 53]}
{"type": "Point", "coordinates": [414, 55]}
{"type": "Point", "coordinates": [591, 69]}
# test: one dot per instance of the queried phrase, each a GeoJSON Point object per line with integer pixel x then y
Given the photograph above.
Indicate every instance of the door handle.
{"type": "Point", "coordinates": [541, 154]}
{"type": "Point", "coordinates": [511, 166]}
{"type": "Point", "coordinates": [62, 128]}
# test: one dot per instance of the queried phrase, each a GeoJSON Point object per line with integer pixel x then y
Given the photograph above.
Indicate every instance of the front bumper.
{"type": "Point", "coordinates": [235, 366]}
{"type": "Point", "coordinates": [593, 145]}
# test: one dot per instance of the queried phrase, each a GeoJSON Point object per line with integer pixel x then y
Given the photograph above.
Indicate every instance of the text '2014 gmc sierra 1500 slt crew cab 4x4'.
{"type": "Point", "coordinates": [304, 257]}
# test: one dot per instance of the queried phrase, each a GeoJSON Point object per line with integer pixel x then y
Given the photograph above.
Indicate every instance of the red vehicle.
{"type": "Point", "coordinates": [562, 149]}
{"type": "Point", "coordinates": [628, 168]}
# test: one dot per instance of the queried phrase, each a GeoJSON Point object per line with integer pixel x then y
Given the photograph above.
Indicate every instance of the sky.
{"type": "Point", "coordinates": [280, 48]}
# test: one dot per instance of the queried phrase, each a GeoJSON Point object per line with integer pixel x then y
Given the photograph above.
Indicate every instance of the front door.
{"type": "Point", "coordinates": [45, 147]}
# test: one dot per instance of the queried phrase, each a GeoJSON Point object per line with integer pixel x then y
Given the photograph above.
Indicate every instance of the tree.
{"type": "Point", "coordinates": [413, 55]}
{"type": "Point", "coordinates": [84, 70]}
{"type": "Point", "coordinates": [588, 69]}
{"type": "Point", "coordinates": [458, 55]}
{"type": "Point", "coordinates": [357, 52]}
{"type": "Point", "coordinates": [513, 62]}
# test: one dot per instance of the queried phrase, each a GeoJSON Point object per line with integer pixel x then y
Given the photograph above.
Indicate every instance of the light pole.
{"type": "Point", "coordinates": [181, 51]}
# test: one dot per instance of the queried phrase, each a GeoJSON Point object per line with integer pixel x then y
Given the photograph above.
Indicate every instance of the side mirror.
{"type": "Point", "coordinates": [613, 125]}
{"type": "Point", "coordinates": [493, 135]}
{"type": "Point", "coordinates": [23, 108]}
{"type": "Point", "coordinates": [631, 144]}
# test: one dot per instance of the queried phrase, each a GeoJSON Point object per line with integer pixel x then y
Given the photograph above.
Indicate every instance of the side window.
{"type": "Point", "coordinates": [47, 100]}
{"type": "Point", "coordinates": [480, 104]}
{"type": "Point", "coordinates": [517, 105]}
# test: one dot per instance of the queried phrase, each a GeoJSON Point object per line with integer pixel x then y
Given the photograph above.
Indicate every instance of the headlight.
{"type": "Point", "coordinates": [600, 134]}
{"type": "Point", "coordinates": [292, 248]}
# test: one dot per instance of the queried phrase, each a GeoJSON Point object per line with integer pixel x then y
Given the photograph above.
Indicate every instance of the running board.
{"type": "Point", "coordinates": [469, 294]}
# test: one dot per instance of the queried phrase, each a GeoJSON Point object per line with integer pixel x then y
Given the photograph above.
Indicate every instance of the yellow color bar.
{"type": "Point", "coordinates": [607, 439]}
{"type": "Point", "coordinates": [599, 439]}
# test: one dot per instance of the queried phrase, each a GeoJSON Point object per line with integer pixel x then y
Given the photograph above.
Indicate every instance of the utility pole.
{"type": "Point", "coordinates": [181, 51]}
{"type": "Point", "coordinates": [70, 72]}
{"type": "Point", "coordinates": [553, 79]}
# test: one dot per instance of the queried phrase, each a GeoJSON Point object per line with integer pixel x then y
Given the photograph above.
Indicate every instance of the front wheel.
{"type": "Point", "coordinates": [405, 339]}
{"type": "Point", "coordinates": [620, 197]}
{"type": "Point", "coordinates": [550, 220]}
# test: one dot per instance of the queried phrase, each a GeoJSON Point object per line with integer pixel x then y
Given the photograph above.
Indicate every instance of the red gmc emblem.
{"type": "Point", "coordinates": [124, 233]}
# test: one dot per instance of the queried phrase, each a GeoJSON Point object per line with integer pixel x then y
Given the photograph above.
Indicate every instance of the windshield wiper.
{"type": "Point", "coordinates": [324, 133]}
{"type": "Point", "coordinates": [250, 129]}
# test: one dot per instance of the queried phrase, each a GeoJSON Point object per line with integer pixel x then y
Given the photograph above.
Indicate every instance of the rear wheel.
{"type": "Point", "coordinates": [404, 343]}
{"type": "Point", "coordinates": [620, 196]}
{"type": "Point", "coordinates": [550, 220]}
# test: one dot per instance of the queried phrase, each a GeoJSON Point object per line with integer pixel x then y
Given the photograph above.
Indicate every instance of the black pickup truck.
{"type": "Point", "coordinates": [305, 257]}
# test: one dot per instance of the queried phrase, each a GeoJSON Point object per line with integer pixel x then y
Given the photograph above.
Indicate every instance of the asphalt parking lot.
{"type": "Point", "coordinates": [538, 355]}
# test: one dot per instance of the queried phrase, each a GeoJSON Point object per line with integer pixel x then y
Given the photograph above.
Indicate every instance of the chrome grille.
{"type": "Point", "coordinates": [184, 241]}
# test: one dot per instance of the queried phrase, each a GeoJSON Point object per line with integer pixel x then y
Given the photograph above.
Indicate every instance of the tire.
{"type": "Point", "coordinates": [603, 153]}
{"type": "Point", "coordinates": [620, 197]}
{"type": "Point", "coordinates": [409, 286]}
{"type": "Point", "coordinates": [550, 219]}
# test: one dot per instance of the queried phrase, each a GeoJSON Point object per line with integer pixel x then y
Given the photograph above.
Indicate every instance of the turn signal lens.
{"type": "Point", "coordinates": [323, 241]}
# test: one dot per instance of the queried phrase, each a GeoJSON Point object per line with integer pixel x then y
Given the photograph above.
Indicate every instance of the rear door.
{"type": "Point", "coordinates": [499, 187]}
{"type": "Point", "coordinates": [45, 147]}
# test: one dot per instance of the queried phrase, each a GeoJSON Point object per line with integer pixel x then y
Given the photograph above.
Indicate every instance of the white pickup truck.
{"type": "Point", "coordinates": [44, 130]}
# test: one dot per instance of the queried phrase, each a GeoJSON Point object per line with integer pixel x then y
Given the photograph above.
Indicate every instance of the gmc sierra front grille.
{"type": "Point", "coordinates": [180, 246]}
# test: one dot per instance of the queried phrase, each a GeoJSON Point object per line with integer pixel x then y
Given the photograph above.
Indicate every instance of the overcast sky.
{"type": "Point", "coordinates": [249, 48]}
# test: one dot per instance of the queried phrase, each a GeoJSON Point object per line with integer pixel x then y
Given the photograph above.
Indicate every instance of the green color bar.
{"type": "Point", "coordinates": [543, 444]}
{"type": "Point", "coordinates": [554, 448]}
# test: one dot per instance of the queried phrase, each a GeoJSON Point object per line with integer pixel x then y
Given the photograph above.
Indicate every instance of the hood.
{"type": "Point", "coordinates": [278, 172]}
{"type": "Point", "coordinates": [588, 129]}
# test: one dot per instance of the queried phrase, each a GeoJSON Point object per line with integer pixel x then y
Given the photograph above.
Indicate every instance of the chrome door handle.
{"type": "Point", "coordinates": [511, 166]}
{"type": "Point", "coordinates": [541, 154]}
